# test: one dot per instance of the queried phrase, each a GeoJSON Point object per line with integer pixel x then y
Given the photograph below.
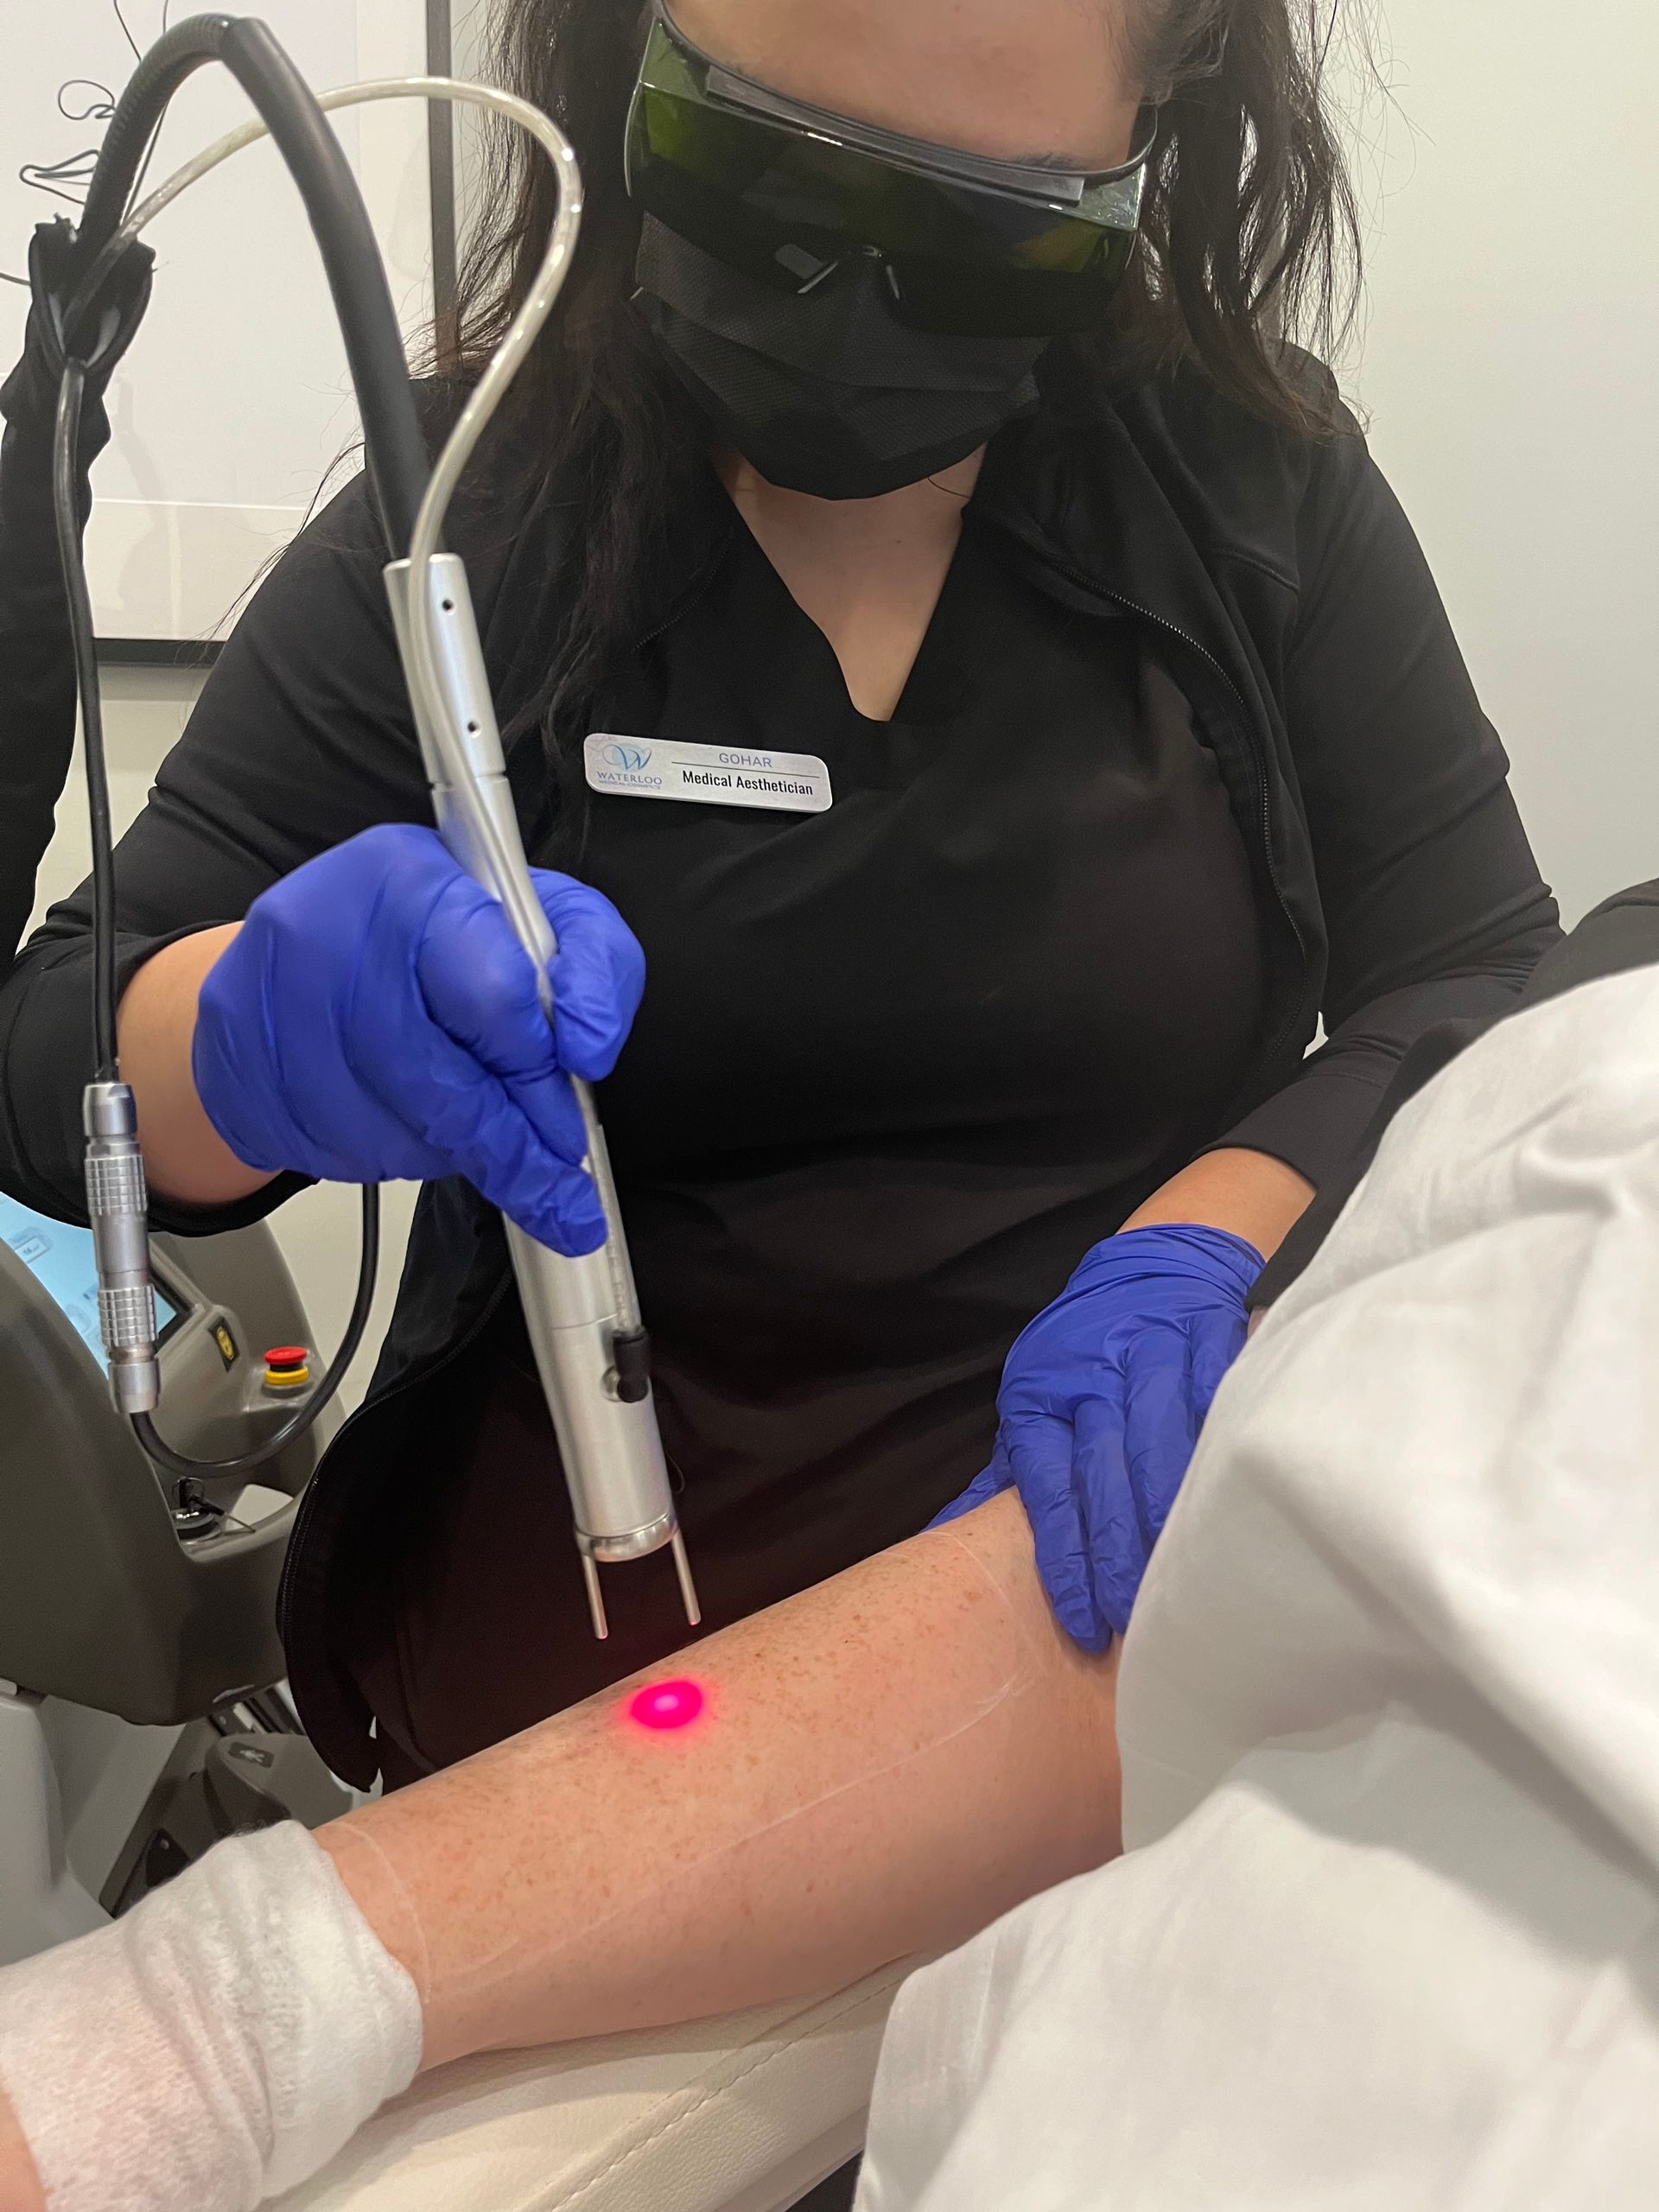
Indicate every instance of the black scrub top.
{"type": "Point", "coordinates": [898, 1066]}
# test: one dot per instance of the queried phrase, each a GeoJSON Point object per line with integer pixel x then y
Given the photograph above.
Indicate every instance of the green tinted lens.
{"type": "Point", "coordinates": [704, 175]}
{"type": "Point", "coordinates": [787, 208]}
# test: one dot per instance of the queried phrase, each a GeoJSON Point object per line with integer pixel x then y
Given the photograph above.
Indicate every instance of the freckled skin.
{"type": "Point", "coordinates": [915, 1744]}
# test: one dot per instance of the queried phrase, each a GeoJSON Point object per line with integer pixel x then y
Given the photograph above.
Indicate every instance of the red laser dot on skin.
{"type": "Point", "coordinates": [665, 1705]}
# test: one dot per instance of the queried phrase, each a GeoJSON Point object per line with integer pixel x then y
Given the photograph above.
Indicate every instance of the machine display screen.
{"type": "Point", "coordinates": [61, 1260]}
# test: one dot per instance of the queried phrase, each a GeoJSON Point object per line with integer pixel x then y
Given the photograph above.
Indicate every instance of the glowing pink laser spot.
{"type": "Point", "coordinates": [665, 1705]}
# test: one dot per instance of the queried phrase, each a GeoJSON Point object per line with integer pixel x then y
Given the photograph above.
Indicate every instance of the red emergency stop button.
{"type": "Point", "coordinates": [288, 1367]}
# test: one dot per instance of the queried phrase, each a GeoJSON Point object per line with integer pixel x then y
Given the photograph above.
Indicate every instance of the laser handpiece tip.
{"type": "Point", "coordinates": [595, 1597]}
{"type": "Point", "coordinates": [688, 1588]}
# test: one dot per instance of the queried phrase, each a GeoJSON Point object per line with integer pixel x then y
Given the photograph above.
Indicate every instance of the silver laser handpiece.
{"type": "Point", "coordinates": [118, 1205]}
{"type": "Point", "coordinates": [582, 1315]}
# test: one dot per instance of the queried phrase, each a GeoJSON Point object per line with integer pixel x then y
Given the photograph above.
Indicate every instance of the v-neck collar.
{"type": "Point", "coordinates": [1039, 488]}
{"type": "Point", "coordinates": [926, 696]}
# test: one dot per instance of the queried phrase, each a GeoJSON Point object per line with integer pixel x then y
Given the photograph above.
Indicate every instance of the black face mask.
{"type": "Point", "coordinates": [825, 392]}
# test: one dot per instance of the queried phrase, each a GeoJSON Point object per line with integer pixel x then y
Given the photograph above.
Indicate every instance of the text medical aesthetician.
{"type": "Point", "coordinates": [977, 708]}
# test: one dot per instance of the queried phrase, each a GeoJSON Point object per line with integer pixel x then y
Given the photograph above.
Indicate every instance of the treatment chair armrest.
{"type": "Point", "coordinates": [742, 2114]}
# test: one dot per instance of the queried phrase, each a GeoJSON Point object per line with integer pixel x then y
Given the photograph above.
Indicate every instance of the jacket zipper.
{"type": "Point", "coordinates": [696, 593]}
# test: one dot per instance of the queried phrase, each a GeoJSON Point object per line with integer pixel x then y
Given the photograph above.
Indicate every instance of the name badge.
{"type": "Point", "coordinates": [715, 775]}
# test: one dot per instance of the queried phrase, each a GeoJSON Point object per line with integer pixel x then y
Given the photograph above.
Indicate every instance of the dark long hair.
{"type": "Point", "coordinates": [1252, 236]}
{"type": "Point", "coordinates": [1251, 239]}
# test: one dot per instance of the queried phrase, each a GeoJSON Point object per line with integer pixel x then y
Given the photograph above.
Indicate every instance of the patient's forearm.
{"type": "Point", "coordinates": [882, 1766]}
{"type": "Point", "coordinates": [20, 2185]}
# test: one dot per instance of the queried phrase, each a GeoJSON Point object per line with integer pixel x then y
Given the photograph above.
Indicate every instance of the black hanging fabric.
{"type": "Point", "coordinates": [37, 668]}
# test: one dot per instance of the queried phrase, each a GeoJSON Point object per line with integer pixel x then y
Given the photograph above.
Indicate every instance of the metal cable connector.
{"type": "Point", "coordinates": [118, 1205]}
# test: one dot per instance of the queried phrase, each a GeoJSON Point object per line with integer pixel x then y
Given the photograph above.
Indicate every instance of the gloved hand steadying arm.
{"type": "Point", "coordinates": [375, 1019]}
{"type": "Point", "coordinates": [1101, 1402]}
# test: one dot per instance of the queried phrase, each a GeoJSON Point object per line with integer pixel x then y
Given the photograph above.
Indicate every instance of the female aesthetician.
{"type": "Point", "coordinates": [1127, 738]}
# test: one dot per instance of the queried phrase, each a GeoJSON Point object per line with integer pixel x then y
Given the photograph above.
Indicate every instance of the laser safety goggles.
{"type": "Point", "coordinates": [790, 194]}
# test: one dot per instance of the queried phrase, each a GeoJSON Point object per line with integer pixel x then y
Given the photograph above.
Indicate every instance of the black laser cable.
{"type": "Point", "coordinates": [66, 447]}
{"type": "Point", "coordinates": [177, 1464]}
{"type": "Point", "coordinates": [398, 470]}
{"type": "Point", "coordinates": [75, 170]}
{"type": "Point", "coordinates": [583, 1314]}
{"type": "Point", "coordinates": [65, 511]}
{"type": "Point", "coordinates": [397, 461]}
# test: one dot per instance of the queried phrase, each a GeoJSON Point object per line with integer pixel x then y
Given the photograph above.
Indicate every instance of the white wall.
{"type": "Point", "coordinates": [236, 396]}
{"type": "Point", "coordinates": [1508, 369]}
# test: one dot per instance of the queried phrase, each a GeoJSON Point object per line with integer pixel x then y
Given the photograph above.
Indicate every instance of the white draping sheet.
{"type": "Point", "coordinates": [1386, 1937]}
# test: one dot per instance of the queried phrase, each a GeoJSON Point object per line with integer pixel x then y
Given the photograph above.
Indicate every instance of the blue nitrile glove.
{"type": "Point", "coordinates": [376, 1021]}
{"type": "Point", "coordinates": [1101, 1401]}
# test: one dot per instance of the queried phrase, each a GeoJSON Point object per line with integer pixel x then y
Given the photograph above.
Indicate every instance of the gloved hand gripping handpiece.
{"type": "Point", "coordinates": [583, 1313]}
